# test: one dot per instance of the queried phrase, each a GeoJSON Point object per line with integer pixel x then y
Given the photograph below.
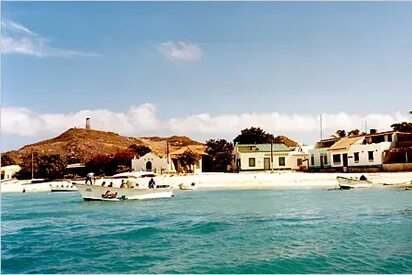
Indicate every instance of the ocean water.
{"type": "Point", "coordinates": [236, 231]}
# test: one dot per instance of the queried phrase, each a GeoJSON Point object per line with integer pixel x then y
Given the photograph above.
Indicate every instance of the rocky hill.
{"type": "Point", "coordinates": [82, 144]}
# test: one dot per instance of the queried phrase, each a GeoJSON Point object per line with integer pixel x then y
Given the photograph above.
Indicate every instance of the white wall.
{"type": "Point", "coordinates": [376, 148]}
{"type": "Point", "coordinates": [158, 164]}
{"type": "Point", "coordinates": [317, 153]}
{"type": "Point", "coordinates": [363, 149]}
{"type": "Point", "coordinates": [290, 160]}
{"type": "Point", "coordinates": [8, 172]}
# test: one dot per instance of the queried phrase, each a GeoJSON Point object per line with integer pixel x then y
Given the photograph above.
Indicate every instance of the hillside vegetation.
{"type": "Point", "coordinates": [82, 144]}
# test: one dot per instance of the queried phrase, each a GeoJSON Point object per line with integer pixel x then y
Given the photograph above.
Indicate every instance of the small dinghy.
{"type": "Point", "coordinates": [187, 186]}
{"type": "Point", "coordinates": [352, 183]}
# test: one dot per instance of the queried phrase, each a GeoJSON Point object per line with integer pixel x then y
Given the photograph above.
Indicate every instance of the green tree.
{"type": "Point", "coordinates": [188, 158]}
{"type": "Point", "coordinates": [26, 166]}
{"type": "Point", "coordinates": [7, 160]}
{"type": "Point", "coordinates": [341, 133]}
{"type": "Point", "coordinates": [253, 135]}
{"type": "Point", "coordinates": [220, 151]}
{"type": "Point", "coordinates": [122, 160]}
{"type": "Point", "coordinates": [101, 164]}
{"type": "Point", "coordinates": [402, 127]}
{"type": "Point", "coordinates": [51, 166]}
{"type": "Point", "coordinates": [141, 150]}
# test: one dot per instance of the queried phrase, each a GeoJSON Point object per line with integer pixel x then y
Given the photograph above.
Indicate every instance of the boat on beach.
{"type": "Point", "coordinates": [403, 185]}
{"type": "Point", "coordinates": [188, 186]}
{"type": "Point", "coordinates": [352, 183]}
{"type": "Point", "coordinates": [125, 186]}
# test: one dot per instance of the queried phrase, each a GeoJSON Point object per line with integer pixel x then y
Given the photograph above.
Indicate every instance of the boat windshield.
{"type": "Point", "coordinates": [148, 175]}
{"type": "Point", "coordinates": [124, 177]}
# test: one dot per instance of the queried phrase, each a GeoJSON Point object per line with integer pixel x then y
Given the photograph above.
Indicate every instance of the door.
{"type": "Point", "coordinates": [149, 166]}
{"type": "Point", "coordinates": [266, 163]}
{"type": "Point", "coordinates": [321, 160]}
{"type": "Point", "coordinates": [345, 160]}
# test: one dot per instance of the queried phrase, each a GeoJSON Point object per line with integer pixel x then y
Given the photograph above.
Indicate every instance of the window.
{"type": "Point", "coordinates": [356, 157]}
{"type": "Point", "coordinates": [252, 162]}
{"type": "Point", "coordinates": [312, 159]}
{"type": "Point", "coordinates": [299, 162]}
{"type": "Point", "coordinates": [281, 161]}
{"type": "Point", "coordinates": [370, 155]}
{"type": "Point", "coordinates": [336, 159]}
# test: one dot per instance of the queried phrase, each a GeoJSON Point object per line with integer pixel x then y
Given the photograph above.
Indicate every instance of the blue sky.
{"type": "Point", "coordinates": [204, 69]}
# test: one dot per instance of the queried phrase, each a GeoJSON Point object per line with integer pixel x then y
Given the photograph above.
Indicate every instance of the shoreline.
{"type": "Point", "coordinates": [289, 180]}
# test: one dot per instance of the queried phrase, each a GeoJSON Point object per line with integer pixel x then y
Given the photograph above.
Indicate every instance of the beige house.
{"type": "Point", "coordinates": [196, 149]}
{"type": "Point", "coordinates": [266, 157]}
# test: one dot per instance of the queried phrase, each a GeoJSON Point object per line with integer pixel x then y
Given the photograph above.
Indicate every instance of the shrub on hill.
{"type": "Point", "coordinates": [141, 150]}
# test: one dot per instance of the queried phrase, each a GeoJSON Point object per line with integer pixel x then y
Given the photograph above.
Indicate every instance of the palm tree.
{"type": "Point", "coordinates": [341, 133]}
{"type": "Point", "coordinates": [354, 132]}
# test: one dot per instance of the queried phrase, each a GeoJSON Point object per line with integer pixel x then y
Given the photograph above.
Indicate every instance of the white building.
{"type": "Point", "coordinates": [153, 163]}
{"type": "Point", "coordinates": [319, 156]}
{"type": "Point", "coordinates": [277, 156]}
{"type": "Point", "coordinates": [171, 163]}
{"type": "Point", "coordinates": [8, 172]}
{"type": "Point", "coordinates": [362, 151]}
{"type": "Point", "coordinates": [366, 151]}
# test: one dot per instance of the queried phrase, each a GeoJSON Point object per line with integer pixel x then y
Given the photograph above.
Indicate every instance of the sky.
{"type": "Point", "coordinates": [203, 69]}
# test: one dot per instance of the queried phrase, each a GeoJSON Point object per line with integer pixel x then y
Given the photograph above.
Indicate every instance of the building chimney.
{"type": "Point", "coordinates": [87, 123]}
{"type": "Point", "coordinates": [373, 131]}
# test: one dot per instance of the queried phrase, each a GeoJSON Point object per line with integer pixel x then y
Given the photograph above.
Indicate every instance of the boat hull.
{"type": "Point", "coordinates": [24, 186]}
{"type": "Point", "coordinates": [103, 193]}
{"type": "Point", "coordinates": [348, 183]}
{"type": "Point", "coordinates": [187, 187]}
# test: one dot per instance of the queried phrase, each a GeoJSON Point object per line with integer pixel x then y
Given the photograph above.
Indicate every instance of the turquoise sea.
{"type": "Point", "coordinates": [242, 231]}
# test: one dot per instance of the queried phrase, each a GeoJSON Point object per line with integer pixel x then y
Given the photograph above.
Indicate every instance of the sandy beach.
{"type": "Point", "coordinates": [285, 180]}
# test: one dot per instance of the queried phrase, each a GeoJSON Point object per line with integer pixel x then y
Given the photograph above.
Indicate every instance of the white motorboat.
{"type": "Point", "coordinates": [125, 186]}
{"type": "Point", "coordinates": [351, 183]}
{"type": "Point", "coordinates": [12, 185]}
{"type": "Point", "coordinates": [23, 186]}
{"type": "Point", "coordinates": [188, 186]}
{"type": "Point", "coordinates": [36, 185]}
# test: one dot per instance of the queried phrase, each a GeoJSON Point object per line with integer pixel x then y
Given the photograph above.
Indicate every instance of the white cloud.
{"type": "Point", "coordinates": [180, 51]}
{"type": "Point", "coordinates": [142, 120]}
{"type": "Point", "coordinates": [24, 122]}
{"type": "Point", "coordinates": [16, 27]}
{"type": "Point", "coordinates": [18, 39]}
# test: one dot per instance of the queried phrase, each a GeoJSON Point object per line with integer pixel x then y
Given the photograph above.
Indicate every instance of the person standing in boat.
{"type": "Point", "coordinates": [89, 177]}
